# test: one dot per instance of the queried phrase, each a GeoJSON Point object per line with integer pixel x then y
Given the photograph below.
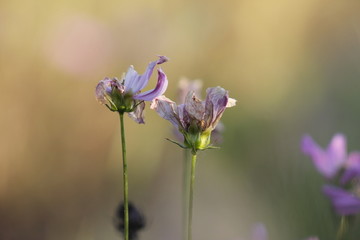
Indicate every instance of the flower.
{"type": "Point", "coordinates": [352, 168]}
{"type": "Point", "coordinates": [184, 87]}
{"type": "Point", "coordinates": [125, 95]}
{"type": "Point", "coordinates": [195, 119]}
{"type": "Point", "coordinates": [344, 202]}
{"type": "Point", "coordinates": [327, 161]}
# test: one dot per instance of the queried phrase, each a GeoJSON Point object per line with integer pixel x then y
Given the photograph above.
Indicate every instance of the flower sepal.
{"type": "Point", "coordinates": [196, 140]}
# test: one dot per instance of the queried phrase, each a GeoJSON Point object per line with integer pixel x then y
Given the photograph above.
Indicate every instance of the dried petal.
{"type": "Point", "coordinates": [194, 106]}
{"type": "Point", "coordinates": [138, 114]}
{"type": "Point", "coordinates": [167, 109]}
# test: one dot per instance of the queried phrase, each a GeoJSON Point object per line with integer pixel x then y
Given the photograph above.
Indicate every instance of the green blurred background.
{"type": "Point", "coordinates": [293, 66]}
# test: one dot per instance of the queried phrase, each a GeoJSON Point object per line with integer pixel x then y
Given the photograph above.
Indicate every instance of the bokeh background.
{"type": "Point", "coordinates": [293, 66]}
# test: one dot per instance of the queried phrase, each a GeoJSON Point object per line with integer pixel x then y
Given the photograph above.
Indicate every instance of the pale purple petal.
{"type": "Point", "coordinates": [166, 109]}
{"type": "Point", "coordinates": [157, 91]}
{"type": "Point", "coordinates": [259, 232]}
{"type": "Point", "coordinates": [352, 167]}
{"type": "Point", "coordinates": [345, 203]}
{"type": "Point", "coordinates": [216, 102]}
{"type": "Point", "coordinates": [135, 82]}
{"type": "Point", "coordinates": [337, 150]}
{"type": "Point", "coordinates": [327, 162]}
{"type": "Point", "coordinates": [104, 87]}
{"type": "Point", "coordinates": [138, 114]}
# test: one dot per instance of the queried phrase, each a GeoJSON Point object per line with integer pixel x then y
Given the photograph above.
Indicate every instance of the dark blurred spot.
{"type": "Point", "coordinates": [136, 220]}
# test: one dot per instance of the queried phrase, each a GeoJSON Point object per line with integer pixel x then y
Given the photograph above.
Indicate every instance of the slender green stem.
{"type": "Point", "coordinates": [191, 195]}
{"type": "Point", "coordinates": [342, 228]}
{"type": "Point", "coordinates": [186, 182]}
{"type": "Point", "coordinates": [125, 177]}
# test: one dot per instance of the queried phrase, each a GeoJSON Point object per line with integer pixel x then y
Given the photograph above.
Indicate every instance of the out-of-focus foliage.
{"type": "Point", "coordinates": [293, 66]}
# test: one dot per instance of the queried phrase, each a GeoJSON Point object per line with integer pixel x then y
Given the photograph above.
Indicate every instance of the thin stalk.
{"type": "Point", "coordinates": [186, 182]}
{"type": "Point", "coordinates": [125, 179]}
{"type": "Point", "coordinates": [191, 196]}
{"type": "Point", "coordinates": [342, 228]}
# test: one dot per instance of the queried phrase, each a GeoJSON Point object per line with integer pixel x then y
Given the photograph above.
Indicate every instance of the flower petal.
{"type": "Point", "coordinates": [194, 106]}
{"type": "Point", "coordinates": [138, 114]}
{"type": "Point", "coordinates": [216, 102]}
{"type": "Point", "coordinates": [167, 109]}
{"type": "Point", "coordinates": [352, 167]}
{"type": "Point", "coordinates": [337, 150]}
{"type": "Point", "coordinates": [345, 203]}
{"type": "Point", "coordinates": [329, 162]}
{"type": "Point", "coordinates": [157, 91]}
{"type": "Point", "coordinates": [135, 82]}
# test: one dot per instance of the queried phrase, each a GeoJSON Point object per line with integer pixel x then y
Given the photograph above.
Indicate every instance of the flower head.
{"type": "Point", "coordinates": [327, 161]}
{"type": "Point", "coordinates": [184, 87]}
{"type": "Point", "coordinates": [126, 96]}
{"type": "Point", "coordinates": [195, 119]}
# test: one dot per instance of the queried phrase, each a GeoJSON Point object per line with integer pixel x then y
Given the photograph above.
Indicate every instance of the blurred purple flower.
{"type": "Point", "coordinates": [259, 232]}
{"type": "Point", "coordinates": [352, 168]}
{"type": "Point", "coordinates": [344, 202]}
{"type": "Point", "coordinates": [195, 119]}
{"type": "Point", "coordinates": [125, 95]}
{"type": "Point", "coordinates": [327, 161]}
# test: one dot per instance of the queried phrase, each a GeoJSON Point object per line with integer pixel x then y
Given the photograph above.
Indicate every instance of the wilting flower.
{"type": "Point", "coordinates": [344, 202]}
{"type": "Point", "coordinates": [184, 87]}
{"type": "Point", "coordinates": [195, 119]}
{"type": "Point", "coordinates": [125, 95]}
{"type": "Point", "coordinates": [327, 161]}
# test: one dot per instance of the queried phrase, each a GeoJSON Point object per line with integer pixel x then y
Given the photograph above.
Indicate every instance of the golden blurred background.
{"type": "Point", "coordinates": [293, 66]}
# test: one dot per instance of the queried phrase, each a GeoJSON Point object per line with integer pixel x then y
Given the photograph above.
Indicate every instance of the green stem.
{"type": "Point", "coordinates": [186, 182]}
{"type": "Point", "coordinates": [125, 177]}
{"type": "Point", "coordinates": [342, 228]}
{"type": "Point", "coordinates": [191, 195]}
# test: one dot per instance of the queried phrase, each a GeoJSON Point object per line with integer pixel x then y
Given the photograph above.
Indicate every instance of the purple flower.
{"type": "Point", "coordinates": [352, 168]}
{"type": "Point", "coordinates": [195, 119]}
{"type": "Point", "coordinates": [344, 202]}
{"type": "Point", "coordinates": [327, 161]}
{"type": "Point", "coordinates": [125, 95]}
{"type": "Point", "coordinates": [185, 86]}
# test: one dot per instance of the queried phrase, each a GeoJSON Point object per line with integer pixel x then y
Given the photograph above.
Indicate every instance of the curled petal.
{"type": "Point", "coordinates": [157, 91]}
{"type": "Point", "coordinates": [105, 87]}
{"type": "Point", "coordinates": [138, 114]}
{"type": "Point", "coordinates": [167, 109]}
{"type": "Point", "coordinates": [100, 92]}
{"type": "Point", "coordinates": [135, 82]}
{"type": "Point", "coordinates": [330, 161]}
{"type": "Point", "coordinates": [345, 203]}
{"type": "Point", "coordinates": [216, 102]}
